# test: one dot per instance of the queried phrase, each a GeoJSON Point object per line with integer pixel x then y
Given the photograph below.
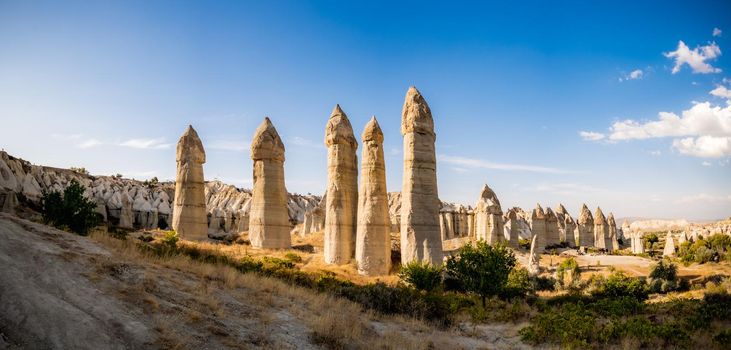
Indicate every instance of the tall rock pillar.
{"type": "Point", "coordinates": [552, 228]}
{"type": "Point", "coordinates": [586, 228]}
{"type": "Point", "coordinates": [601, 230]}
{"type": "Point", "coordinates": [373, 238]}
{"type": "Point", "coordinates": [512, 229]}
{"type": "Point", "coordinates": [613, 243]}
{"type": "Point", "coordinates": [488, 217]}
{"type": "Point", "coordinates": [342, 189]}
{"type": "Point", "coordinates": [420, 236]}
{"type": "Point", "coordinates": [190, 219]}
{"type": "Point", "coordinates": [538, 229]}
{"type": "Point", "coordinates": [269, 225]}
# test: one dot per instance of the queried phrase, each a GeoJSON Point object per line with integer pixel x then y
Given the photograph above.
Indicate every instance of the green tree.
{"type": "Point", "coordinates": [421, 276]}
{"type": "Point", "coordinates": [482, 269]}
{"type": "Point", "coordinates": [70, 210]}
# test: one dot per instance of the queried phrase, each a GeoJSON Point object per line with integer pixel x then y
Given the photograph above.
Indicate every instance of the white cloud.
{"type": "Point", "coordinates": [704, 146]}
{"type": "Point", "coordinates": [696, 58]}
{"type": "Point", "coordinates": [565, 189]}
{"type": "Point", "coordinates": [706, 163]}
{"type": "Point", "coordinates": [721, 91]}
{"type": "Point", "coordinates": [225, 145]}
{"type": "Point", "coordinates": [479, 163]}
{"type": "Point", "coordinates": [158, 143]}
{"type": "Point", "coordinates": [459, 170]}
{"type": "Point", "coordinates": [633, 75]}
{"type": "Point", "coordinates": [89, 143]}
{"type": "Point", "coordinates": [717, 32]}
{"type": "Point", "coordinates": [701, 119]}
{"type": "Point", "coordinates": [704, 198]}
{"type": "Point", "coordinates": [655, 153]}
{"type": "Point", "coordinates": [591, 136]}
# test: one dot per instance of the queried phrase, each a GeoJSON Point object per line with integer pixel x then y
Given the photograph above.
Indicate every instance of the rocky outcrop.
{"type": "Point", "coordinates": [613, 243]}
{"type": "Point", "coordinates": [512, 228]}
{"type": "Point", "coordinates": [189, 211]}
{"type": "Point", "coordinates": [269, 224]}
{"type": "Point", "coordinates": [420, 234]}
{"type": "Point", "coordinates": [638, 246]}
{"type": "Point", "coordinates": [488, 217]}
{"type": "Point", "coordinates": [538, 229]}
{"type": "Point", "coordinates": [456, 220]}
{"type": "Point", "coordinates": [534, 266]}
{"type": "Point", "coordinates": [566, 226]}
{"type": "Point", "coordinates": [373, 234]}
{"type": "Point", "coordinates": [342, 189]}
{"type": "Point", "coordinates": [669, 249]}
{"type": "Point", "coordinates": [585, 229]}
{"type": "Point", "coordinates": [552, 228]}
{"type": "Point", "coordinates": [601, 230]}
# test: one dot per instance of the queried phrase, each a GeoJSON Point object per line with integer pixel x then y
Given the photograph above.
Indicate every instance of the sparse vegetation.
{"type": "Point", "coordinates": [421, 276]}
{"type": "Point", "coordinates": [716, 248]}
{"type": "Point", "coordinates": [482, 269]}
{"type": "Point", "coordinates": [79, 170]}
{"type": "Point", "coordinates": [70, 210]}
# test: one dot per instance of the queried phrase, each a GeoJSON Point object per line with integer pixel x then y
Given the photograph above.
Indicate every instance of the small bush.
{"type": "Point", "coordinates": [483, 269]}
{"type": "Point", "coordinates": [664, 269]}
{"type": "Point", "coordinates": [71, 210]}
{"type": "Point", "coordinates": [293, 257]}
{"type": "Point", "coordinates": [617, 285]}
{"type": "Point", "coordinates": [171, 238]}
{"type": "Point", "coordinates": [519, 283]}
{"type": "Point", "coordinates": [570, 267]}
{"type": "Point", "coordinates": [421, 276]}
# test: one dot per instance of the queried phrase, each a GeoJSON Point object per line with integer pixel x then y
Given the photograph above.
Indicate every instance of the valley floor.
{"type": "Point", "coordinates": [60, 290]}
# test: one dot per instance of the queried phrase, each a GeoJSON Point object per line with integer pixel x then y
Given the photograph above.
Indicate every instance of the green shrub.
{"type": "Point", "coordinates": [618, 284]}
{"type": "Point", "coordinates": [519, 283]}
{"type": "Point", "coordinates": [421, 276]}
{"type": "Point", "coordinates": [171, 238]}
{"type": "Point", "coordinates": [272, 262]}
{"type": "Point", "coordinates": [293, 257]}
{"type": "Point", "coordinates": [650, 239]}
{"type": "Point", "coordinates": [571, 267]}
{"type": "Point", "coordinates": [482, 269]}
{"type": "Point", "coordinates": [71, 210]}
{"type": "Point", "coordinates": [664, 269]}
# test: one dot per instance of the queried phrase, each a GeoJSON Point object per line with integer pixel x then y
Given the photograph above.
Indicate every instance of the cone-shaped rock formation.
{"type": "Point", "coordinates": [190, 219]}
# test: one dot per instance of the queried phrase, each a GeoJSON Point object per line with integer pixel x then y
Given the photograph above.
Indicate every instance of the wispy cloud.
{"type": "Point", "coordinates": [633, 75]}
{"type": "Point", "coordinates": [158, 143]}
{"type": "Point", "coordinates": [303, 142]}
{"type": "Point", "coordinates": [226, 145]}
{"type": "Point", "coordinates": [696, 58]}
{"type": "Point", "coordinates": [717, 32]}
{"type": "Point", "coordinates": [591, 136]}
{"type": "Point", "coordinates": [704, 198]}
{"type": "Point", "coordinates": [484, 164]}
{"type": "Point", "coordinates": [721, 91]}
{"type": "Point", "coordinates": [656, 153]}
{"type": "Point", "coordinates": [89, 143]}
{"type": "Point", "coordinates": [565, 189]}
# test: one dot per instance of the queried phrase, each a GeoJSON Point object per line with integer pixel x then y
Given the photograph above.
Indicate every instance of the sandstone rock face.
{"type": "Point", "coordinates": [189, 212]}
{"type": "Point", "coordinates": [8, 201]}
{"type": "Point", "coordinates": [373, 238]}
{"type": "Point", "coordinates": [669, 245]}
{"type": "Point", "coordinates": [456, 221]}
{"type": "Point", "coordinates": [512, 229]}
{"type": "Point", "coordinates": [534, 259]}
{"type": "Point", "coordinates": [420, 234]}
{"type": "Point", "coordinates": [566, 226]}
{"type": "Point", "coordinates": [342, 189]}
{"type": "Point", "coordinates": [552, 228]}
{"type": "Point", "coordinates": [638, 246]}
{"type": "Point", "coordinates": [269, 223]}
{"type": "Point", "coordinates": [488, 217]}
{"type": "Point", "coordinates": [152, 202]}
{"type": "Point", "coordinates": [585, 229]}
{"type": "Point", "coordinates": [126, 217]}
{"type": "Point", "coordinates": [613, 243]}
{"type": "Point", "coordinates": [601, 230]}
{"type": "Point", "coordinates": [538, 228]}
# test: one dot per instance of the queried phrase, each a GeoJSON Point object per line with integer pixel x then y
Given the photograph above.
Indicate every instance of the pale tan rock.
{"type": "Point", "coordinates": [126, 216]}
{"type": "Point", "coordinates": [669, 249]}
{"type": "Point", "coordinates": [189, 210]}
{"type": "Point", "coordinates": [534, 266]}
{"type": "Point", "coordinates": [512, 229]}
{"type": "Point", "coordinates": [638, 246]}
{"type": "Point", "coordinates": [601, 230]}
{"type": "Point", "coordinates": [269, 224]}
{"type": "Point", "coordinates": [373, 242]}
{"type": "Point", "coordinates": [488, 217]}
{"type": "Point", "coordinates": [613, 243]}
{"type": "Point", "coordinates": [585, 228]}
{"type": "Point", "coordinates": [420, 234]}
{"type": "Point", "coordinates": [570, 230]}
{"type": "Point", "coordinates": [342, 189]}
{"type": "Point", "coordinates": [552, 228]}
{"type": "Point", "coordinates": [538, 228]}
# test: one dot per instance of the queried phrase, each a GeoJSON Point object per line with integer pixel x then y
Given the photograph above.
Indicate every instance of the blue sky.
{"type": "Point", "coordinates": [544, 102]}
